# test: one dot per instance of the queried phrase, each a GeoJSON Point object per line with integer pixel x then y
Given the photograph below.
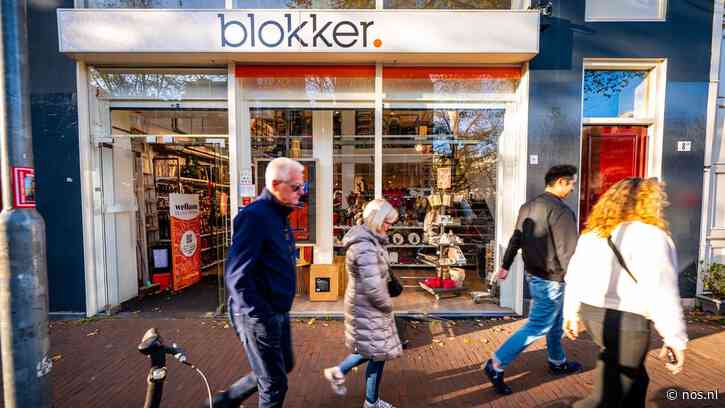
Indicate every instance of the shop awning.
{"type": "Point", "coordinates": [141, 37]}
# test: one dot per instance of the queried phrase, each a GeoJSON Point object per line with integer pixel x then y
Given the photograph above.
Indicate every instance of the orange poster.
{"type": "Point", "coordinates": [185, 239]}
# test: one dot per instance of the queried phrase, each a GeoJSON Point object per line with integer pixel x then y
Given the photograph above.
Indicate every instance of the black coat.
{"type": "Point", "coordinates": [546, 232]}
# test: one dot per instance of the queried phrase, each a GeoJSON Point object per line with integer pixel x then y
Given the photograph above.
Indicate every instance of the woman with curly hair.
{"type": "Point", "coordinates": [622, 276]}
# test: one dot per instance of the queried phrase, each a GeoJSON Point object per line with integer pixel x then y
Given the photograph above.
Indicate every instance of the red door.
{"type": "Point", "coordinates": [609, 154]}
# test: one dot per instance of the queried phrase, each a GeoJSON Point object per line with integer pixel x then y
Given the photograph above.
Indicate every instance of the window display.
{"type": "Point", "coordinates": [440, 172]}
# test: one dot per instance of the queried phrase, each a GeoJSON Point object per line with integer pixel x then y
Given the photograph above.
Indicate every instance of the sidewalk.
{"type": "Point", "coordinates": [96, 365]}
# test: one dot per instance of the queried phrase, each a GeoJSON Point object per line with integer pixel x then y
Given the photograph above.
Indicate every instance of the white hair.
{"type": "Point", "coordinates": [378, 211]}
{"type": "Point", "coordinates": [280, 169]}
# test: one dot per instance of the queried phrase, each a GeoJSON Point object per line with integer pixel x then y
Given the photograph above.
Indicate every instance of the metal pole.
{"type": "Point", "coordinates": [24, 338]}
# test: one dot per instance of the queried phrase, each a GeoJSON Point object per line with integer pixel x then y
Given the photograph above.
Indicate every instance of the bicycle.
{"type": "Point", "coordinates": [152, 345]}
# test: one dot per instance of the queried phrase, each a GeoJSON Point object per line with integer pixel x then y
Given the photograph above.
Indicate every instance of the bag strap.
{"type": "Point", "coordinates": [620, 259]}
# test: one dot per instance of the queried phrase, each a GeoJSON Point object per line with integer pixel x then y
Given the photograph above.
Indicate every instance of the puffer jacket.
{"type": "Point", "coordinates": [369, 324]}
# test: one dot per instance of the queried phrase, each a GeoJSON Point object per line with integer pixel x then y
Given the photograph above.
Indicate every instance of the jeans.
{"type": "Point", "coordinates": [620, 377]}
{"type": "Point", "coordinates": [373, 373]}
{"type": "Point", "coordinates": [268, 345]}
{"type": "Point", "coordinates": [545, 319]}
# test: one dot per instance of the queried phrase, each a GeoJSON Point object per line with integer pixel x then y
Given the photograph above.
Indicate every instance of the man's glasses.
{"type": "Point", "coordinates": [296, 186]}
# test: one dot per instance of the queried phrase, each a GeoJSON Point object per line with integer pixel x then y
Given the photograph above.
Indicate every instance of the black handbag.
{"type": "Point", "coordinates": [395, 288]}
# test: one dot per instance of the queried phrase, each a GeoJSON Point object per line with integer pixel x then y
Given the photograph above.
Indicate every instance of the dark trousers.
{"type": "Point", "coordinates": [268, 344]}
{"type": "Point", "coordinates": [620, 377]}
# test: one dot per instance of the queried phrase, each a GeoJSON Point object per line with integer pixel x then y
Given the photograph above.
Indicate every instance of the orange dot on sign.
{"type": "Point", "coordinates": [377, 43]}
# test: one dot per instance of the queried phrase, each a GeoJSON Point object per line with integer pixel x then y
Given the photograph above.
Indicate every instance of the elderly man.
{"type": "Point", "coordinates": [260, 278]}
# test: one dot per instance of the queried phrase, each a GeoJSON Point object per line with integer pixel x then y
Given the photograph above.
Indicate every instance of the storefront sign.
{"type": "Point", "coordinates": [209, 31]}
{"type": "Point", "coordinates": [185, 239]}
{"type": "Point", "coordinates": [24, 187]}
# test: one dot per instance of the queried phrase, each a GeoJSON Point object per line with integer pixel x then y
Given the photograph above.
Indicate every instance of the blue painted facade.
{"type": "Point", "coordinates": [554, 121]}
{"type": "Point", "coordinates": [555, 103]}
{"type": "Point", "coordinates": [54, 116]}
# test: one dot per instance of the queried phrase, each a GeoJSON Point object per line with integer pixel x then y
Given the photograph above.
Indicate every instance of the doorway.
{"type": "Point", "coordinates": [161, 213]}
{"type": "Point", "coordinates": [609, 154]}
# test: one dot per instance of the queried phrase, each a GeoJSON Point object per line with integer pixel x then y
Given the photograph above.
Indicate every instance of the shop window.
{"type": "Point", "coordinates": [615, 94]}
{"type": "Point", "coordinates": [281, 133]}
{"type": "Point", "coordinates": [195, 122]}
{"type": "Point", "coordinates": [443, 162]}
{"type": "Point", "coordinates": [626, 10]}
{"type": "Point", "coordinates": [307, 83]}
{"type": "Point", "coordinates": [353, 167]}
{"type": "Point", "coordinates": [304, 4]}
{"type": "Point", "coordinates": [156, 4]}
{"type": "Point", "coordinates": [159, 85]}
{"type": "Point", "coordinates": [286, 132]}
{"type": "Point", "coordinates": [449, 83]}
{"type": "Point", "coordinates": [449, 4]}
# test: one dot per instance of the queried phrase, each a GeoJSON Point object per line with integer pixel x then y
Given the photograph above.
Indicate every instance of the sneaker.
{"type": "Point", "coordinates": [378, 404]}
{"type": "Point", "coordinates": [336, 378]}
{"type": "Point", "coordinates": [496, 378]}
{"type": "Point", "coordinates": [567, 367]}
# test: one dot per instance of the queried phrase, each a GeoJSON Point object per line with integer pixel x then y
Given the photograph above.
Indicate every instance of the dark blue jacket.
{"type": "Point", "coordinates": [260, 269]}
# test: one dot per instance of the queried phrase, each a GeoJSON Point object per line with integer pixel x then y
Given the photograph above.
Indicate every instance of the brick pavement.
{"type": "Point", "coordinates": [96, 365]}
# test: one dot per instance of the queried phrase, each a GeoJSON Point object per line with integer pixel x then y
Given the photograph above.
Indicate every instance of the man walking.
{"type": "Point", "coordinates": [260, 278]}
{"type": "Point", "coordinates": [546, 232]}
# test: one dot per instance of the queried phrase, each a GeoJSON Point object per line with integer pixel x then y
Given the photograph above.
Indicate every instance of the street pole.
{"type": "Point", "coordinates": [24, 338]}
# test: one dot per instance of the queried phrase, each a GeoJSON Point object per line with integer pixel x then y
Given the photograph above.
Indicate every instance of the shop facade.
{"type": "Point", "coordinates": [452, 115]}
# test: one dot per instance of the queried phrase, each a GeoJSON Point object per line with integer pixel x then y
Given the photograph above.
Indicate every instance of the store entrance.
{"type": "Point", "coordinates": [162, 215]}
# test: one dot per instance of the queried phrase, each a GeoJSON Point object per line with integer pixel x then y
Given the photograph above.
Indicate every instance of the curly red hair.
{"type": "Point", "coordinates": [631, 199]}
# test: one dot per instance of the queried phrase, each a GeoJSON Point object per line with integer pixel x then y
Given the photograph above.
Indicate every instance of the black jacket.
{"type": "Point", "coordinates": [546, 232]}
{"type": "Point", "coordinates": [260, 270]}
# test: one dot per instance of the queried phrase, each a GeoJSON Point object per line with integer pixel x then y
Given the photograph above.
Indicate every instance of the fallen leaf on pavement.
{"type": "Point", "coordinates": [311, 322]}
{"type": "Point", "coordinates": [93, 333]}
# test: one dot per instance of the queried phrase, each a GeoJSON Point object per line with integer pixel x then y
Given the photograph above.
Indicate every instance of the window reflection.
{"type": "Point", "coordinates": [167, 85]}
{"type": "Point", "coordinates": [620, 94]}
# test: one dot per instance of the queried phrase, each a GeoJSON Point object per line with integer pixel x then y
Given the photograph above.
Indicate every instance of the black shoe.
{"type": "Point", "coordinates": [405, 344]}
{"type": "Point", "coordinates": [496, 378]}
{"type": "Point", "coordinates": [567, 367]}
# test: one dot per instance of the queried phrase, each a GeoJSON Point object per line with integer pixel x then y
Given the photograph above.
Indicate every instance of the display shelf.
{"type": "Point", "coordinates": [411, 266]}
{"type": "Point", "coordinates": [438, 293]}
{"type": "Point", "coordinates": [410, 246]}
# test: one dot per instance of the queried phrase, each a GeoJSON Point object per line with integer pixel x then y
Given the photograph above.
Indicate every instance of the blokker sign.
{"type": "Point", "coordinates": [305, 31]}
{"type": "Point", "coordinates": [201, 33]}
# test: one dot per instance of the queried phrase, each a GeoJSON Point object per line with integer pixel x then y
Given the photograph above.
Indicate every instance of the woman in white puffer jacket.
{"type": "Point", "coordinates": [622, 276]}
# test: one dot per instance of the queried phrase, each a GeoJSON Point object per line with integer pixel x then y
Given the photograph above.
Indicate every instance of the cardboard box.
{"type": "Point", "coordinates": [324, 282]}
